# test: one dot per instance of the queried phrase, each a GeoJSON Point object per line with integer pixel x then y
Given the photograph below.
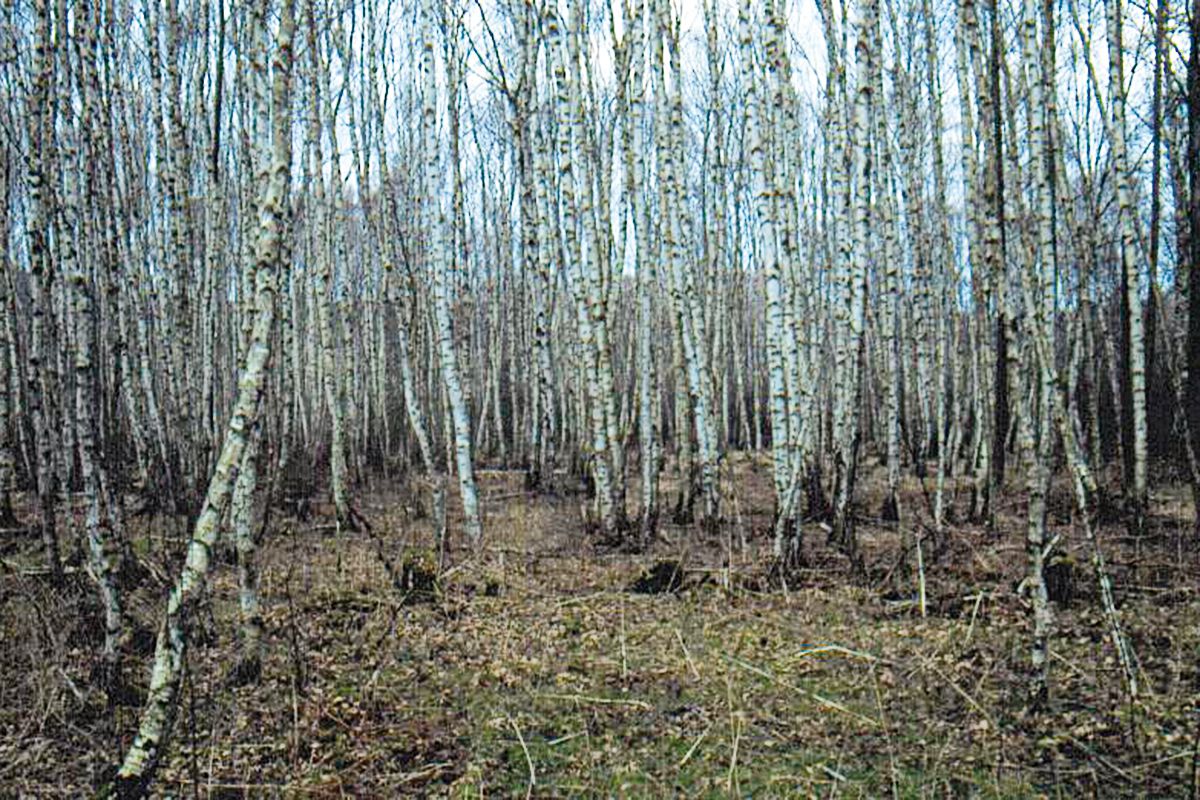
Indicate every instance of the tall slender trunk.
{"type": "Point", "coordinates": [324, 197]}
{"type": "Point", "coordinates": [687, 306]}
{"type": "Point", "coordinates": [1005, 355]}
{"type": "Point", "coordinates": [759, 143]}
{"type": "Point", "coordinates": [440, 267]}
{"type": "Point", "coordinates": [1156, 122]}
{"type": "Point", "coordinates": [154, 728]}
{"type": "Point", "coordinates": [40, 374]}
{"type": "Point", "coordinates": [855, 290]}
{"type": "Point", "coordinates": [589, 303]}
{"type": "Point", "coordinates": [1134, 368]}
{"type": "Point", "coordinates": [1035, 419]}
{"type": "Point", "coordinates": [176, 186]}
{"type": "Point", "coordinates": [1192, 381]}
{"type": "Point", "coordinates": [104, 548]}
{"type": "Point", "coordinates": [638, 145]}
{"type": "Point", "coordinates": [8, 364]}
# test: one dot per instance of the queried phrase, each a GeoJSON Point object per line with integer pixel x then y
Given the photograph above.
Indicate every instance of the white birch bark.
{"type": "Point", "coordinates": [40, 383]}
{"type": "Point", "coordinates": [1034, 423]}
{"type": "Point", "coordinates": [765, 222]}
{"type": "Point", "coordinates": [638, 146]}
{"type": "Point", "coordinates": [154, 728]}
{"type": "Point", "coordinates": [1130, 262]}
{"type": "Point", "coordinates": [854, 290]}
{"type": "Point", "coordinates": [435, 225]}
{"type": "Point", "coordinates": [103, 548]}
{"type": "Point", "coordinates": [688, 306]}
{"type": "Point", "coordinates": [320, 106]}
{"type": "Point", "coordinates": [589, 304]}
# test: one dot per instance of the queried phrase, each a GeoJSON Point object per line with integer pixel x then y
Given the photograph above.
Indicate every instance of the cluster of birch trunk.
{"type": "Point", "coordinates": [609, 241]}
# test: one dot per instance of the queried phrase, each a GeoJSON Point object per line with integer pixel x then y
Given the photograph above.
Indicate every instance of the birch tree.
{"type": "Point", "coordinates": [765, 221]}
{"type": "Point", "coordinates": [1135, 346]}
{"type": "Point", "coordinates": [852, 304]}
{"type": "Point", "coordinates": [145, 753]}
{"type": "Point", "coordinates": [435, 225]}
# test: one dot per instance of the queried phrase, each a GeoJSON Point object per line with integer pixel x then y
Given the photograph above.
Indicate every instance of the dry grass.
{"type": "Point", "coordinates": [534, 672]}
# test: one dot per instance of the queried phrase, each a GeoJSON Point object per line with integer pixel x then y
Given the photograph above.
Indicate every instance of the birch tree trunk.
{"type": "Point", "coordinates": [647, 367]}
{"type": "Point", "coordinates": [41, 383]}
{"type": "Point", "coordinates": [854, 291]}
{"type": "Point", "coordinates": [1134, 374]}
{"type": "Point", "coordinates": [103, 549]}
{"type": "Point", "coordinates": [435, 225]}
{"type": "Point", "coordinates": [1035, 423]}
{"type": "Point", "coordinates": [154, 728]}
{"type": "Point", "coordinates": [176, 186]}
{"type": "Point", "coordinates": [8, 363]}
{"type": "Point", "coordinates": [786, 550]}
{"type": "Point", "coordinates": [688, 307]}
{"type": "Point", "coordinates": [331, 365]}
{"type": "Point", "coordinates": [589, 304]}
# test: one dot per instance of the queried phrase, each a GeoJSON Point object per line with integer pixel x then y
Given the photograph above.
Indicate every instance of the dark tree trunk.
{"type": "Point", "coordinates": [1192, 392]}
{"type": "Point", "coordinates": [1001, 413]}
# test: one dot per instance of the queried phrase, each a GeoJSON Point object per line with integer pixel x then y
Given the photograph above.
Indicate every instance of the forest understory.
{"type": "Point", "coordinates": [542, 664]}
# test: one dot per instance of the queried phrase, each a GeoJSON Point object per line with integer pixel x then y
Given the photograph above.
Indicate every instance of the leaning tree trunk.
{"type": "Point", "coordinates": [154, 728]}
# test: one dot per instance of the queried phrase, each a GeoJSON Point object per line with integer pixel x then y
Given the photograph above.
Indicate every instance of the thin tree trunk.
{"type": "Point", "coordinates": [1134, 368]}
{"type": "Point", "coordinates": [436, 227]}
{"type": "Point", "coordinates": [154, 728]}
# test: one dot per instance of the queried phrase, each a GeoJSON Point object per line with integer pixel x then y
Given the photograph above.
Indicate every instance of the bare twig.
{"type": "Point", "coordinates": [599, 701]}
{"type": "Point", "coordinates": [688, 755]}
{"type": "Point", "coordinates": [528, 759]}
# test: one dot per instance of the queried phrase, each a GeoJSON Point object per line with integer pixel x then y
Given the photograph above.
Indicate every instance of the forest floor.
{"type": "Point", "coordinates": [534, 669]}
